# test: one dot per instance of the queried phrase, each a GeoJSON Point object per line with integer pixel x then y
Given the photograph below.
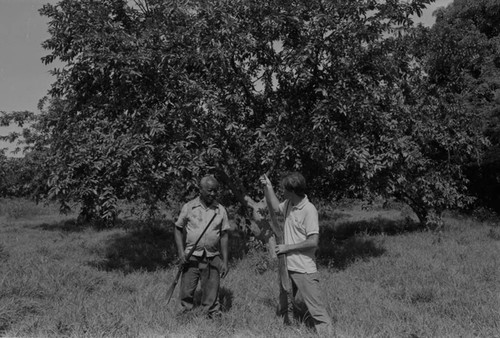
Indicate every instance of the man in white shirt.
{"type": "Point", "coordinates": [301, 236]}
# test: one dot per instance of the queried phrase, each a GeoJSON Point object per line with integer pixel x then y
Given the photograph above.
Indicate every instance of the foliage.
{"type": "Point", "coordinates": [463, 55]}
{"type": "Point", "coordinates": [24, 176]}
{"type": "Point", "coordinates": [18, 119]}
{"type": "Point", "coordinates": [483, 14]}
{"type": "Point", "coordinates": [153, 96]}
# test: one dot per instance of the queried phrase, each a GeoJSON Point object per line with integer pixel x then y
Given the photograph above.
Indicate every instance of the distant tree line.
{"type": "Point", "coordinates": [351, 93]}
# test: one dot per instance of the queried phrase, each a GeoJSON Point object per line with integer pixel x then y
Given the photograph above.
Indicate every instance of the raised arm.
{"type": "Point", "coordinates": [271, 199]}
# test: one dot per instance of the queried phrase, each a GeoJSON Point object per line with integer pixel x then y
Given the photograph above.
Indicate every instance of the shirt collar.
{"type": "Point", "coordinates": [199, 203]}
{"type": "Point", "coordinates": [302, 203]}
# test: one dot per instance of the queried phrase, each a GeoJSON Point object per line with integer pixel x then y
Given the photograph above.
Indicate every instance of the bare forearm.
{"type": "Point", "coordinates": [224, 247]}
{"type": "Point", "coordinates": [310, 243]}
{"type": "Point", "coordinates": [225, 257]}
{"type": "Point", "coordinates": [178, 241]}
{"type": "Point", "coordinates": [305, 245]}
{"type": "Point", "coordinates": [271, 199]}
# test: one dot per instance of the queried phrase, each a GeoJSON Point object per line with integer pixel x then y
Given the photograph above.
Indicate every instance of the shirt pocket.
{"type": "Point", "coordinates": [194, 220]}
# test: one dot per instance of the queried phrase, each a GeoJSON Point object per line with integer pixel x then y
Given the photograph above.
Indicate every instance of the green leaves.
{"type": "Point", "coordinates": [154, 96]}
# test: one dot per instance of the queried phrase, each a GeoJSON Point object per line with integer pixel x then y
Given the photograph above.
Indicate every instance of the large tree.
{"type": "Point", "coordinates": [152, 96]}
{"type": "Point", "coordinates": [463, 54]}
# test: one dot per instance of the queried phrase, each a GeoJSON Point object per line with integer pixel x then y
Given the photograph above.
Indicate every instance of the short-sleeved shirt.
{"type": "Point", "coordinates": [301, 221]}
{"type": "Point", "coordinates": [194, 217]}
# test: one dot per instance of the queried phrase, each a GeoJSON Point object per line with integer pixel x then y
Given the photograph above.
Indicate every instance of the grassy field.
{"type": "Point", "coordinates": [382, 277]}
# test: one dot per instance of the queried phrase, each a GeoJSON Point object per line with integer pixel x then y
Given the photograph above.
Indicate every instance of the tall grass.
{"type": "Point", "coordinates": [381, 276]}
{"type": "Point", "coordinates": [13, 209]}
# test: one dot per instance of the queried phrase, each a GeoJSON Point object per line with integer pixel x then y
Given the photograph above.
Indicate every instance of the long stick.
{"type": "Point", "coordinates": [285, 298]}
{"type": "Point", "coordinates": [280, 239]}
{"type": "Point", "coordinates": [170, 291]}
{"type": "Point", "coordinates": [282, 266]}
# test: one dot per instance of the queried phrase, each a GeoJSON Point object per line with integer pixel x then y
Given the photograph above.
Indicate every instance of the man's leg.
{"type": "Point", "coordinates": [308, 285]}
{"type": "Point", "coordinates": [189, 281]}
{"type": "Point", "coordinates": [210, 283]}
{"type": "Point", "coordinates": [299, 308]}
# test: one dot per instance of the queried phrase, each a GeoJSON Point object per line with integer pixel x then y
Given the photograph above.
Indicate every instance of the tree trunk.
{"type": "Point", "coordinates": [428, 217]}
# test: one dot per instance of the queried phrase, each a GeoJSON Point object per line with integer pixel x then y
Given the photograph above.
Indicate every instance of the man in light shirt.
{"type": "Point", "coordinates": [209, 261]}
{"type": "Point", "coordinates": [301, 236]}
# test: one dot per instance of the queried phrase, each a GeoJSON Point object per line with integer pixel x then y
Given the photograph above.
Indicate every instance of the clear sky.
{"type": "Point", "coordinates": [24, 79]}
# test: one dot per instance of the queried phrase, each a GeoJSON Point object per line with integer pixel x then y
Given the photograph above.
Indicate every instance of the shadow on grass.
{"type": "Point", "coordinates": [144, 245]}
{"type": "Point", "coordinates": [226, 299]}
{"type": "Point", "coordinates": [340, 254]}
{"type": "Point", "coordinates": [332, 215]}
{"type": "Point", "coordinates": [341, 245]}
{"type": "Point", "coordinates": [374, 226]}
{"type": "Point", "coordinates": [145, 248]}
{"type": "Point", "coordinates": [150, 248]}
{"type": "Point", "coordinates": [64, 226]}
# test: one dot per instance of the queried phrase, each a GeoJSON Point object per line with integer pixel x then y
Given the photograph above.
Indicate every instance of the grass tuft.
{"type": "Point", "coordinates": [494, 234]}
{"type": "Point", "coordinates": [14, 209]}
{"type": "Point", "coordinates": [4, 255]}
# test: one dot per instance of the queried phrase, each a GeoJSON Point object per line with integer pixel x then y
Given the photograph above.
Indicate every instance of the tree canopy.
{"type": "Point", "coordinates": [463, 54]}
{"type": "Point", "coordinates": [152, 96]}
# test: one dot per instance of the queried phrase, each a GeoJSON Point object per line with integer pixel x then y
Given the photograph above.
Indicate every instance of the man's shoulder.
{"type": "Point", "coordinates": [308, 205]}
{"type": "Point", "coordinates": [309, 210]}
{"type": "Point", "coordinates": [196, 202]}
{"type": "Point", "coordinates": [192, 203]}
{"type": "Point", "coordinates": [221, 207]}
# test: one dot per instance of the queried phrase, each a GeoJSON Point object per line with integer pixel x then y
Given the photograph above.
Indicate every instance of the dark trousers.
{"type": "Point", "coordinates": [206, 271]}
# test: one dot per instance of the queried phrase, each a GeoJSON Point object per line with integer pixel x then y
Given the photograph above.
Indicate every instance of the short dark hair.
{"type": "Point", "coordinates": [295, 183]}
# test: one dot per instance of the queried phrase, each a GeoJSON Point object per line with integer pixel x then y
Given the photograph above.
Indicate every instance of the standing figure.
{"type": "Point", "coordinates": [301, 236]}
{"type": "Point", "coordinates": [209, 261]}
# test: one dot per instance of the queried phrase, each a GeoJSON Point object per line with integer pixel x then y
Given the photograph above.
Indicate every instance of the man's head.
{"type": "Point", "coordinates": [208, 189]}
{"type": "Point", "coordinates": [294, 183]}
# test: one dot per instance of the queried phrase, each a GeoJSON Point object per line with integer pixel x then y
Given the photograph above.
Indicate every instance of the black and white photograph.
{"type": "Point", "coordinates": [250, 169]}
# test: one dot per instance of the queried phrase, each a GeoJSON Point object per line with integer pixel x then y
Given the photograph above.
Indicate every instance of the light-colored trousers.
{"type": "Point", "coordinates": [305, 288]}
